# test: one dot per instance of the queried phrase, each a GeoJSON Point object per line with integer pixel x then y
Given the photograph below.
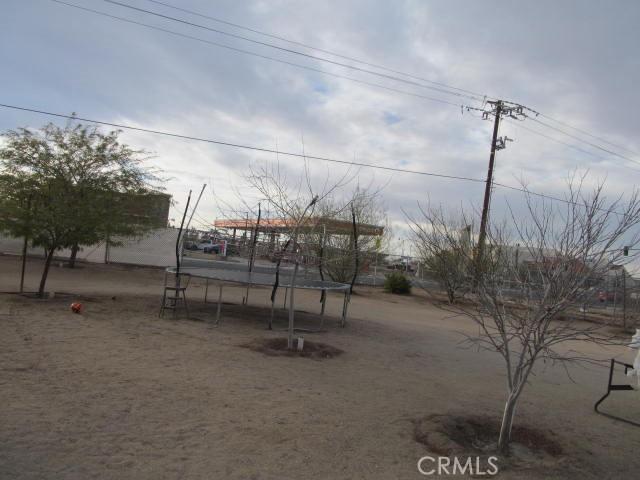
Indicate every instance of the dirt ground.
{"type": "Point", "coordinates": [118, 393]}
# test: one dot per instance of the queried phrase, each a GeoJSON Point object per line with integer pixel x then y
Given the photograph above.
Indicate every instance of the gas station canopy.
{"type": "Point", "coordinates": [313, 224]}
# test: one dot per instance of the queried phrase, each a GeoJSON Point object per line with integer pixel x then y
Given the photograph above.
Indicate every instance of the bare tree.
{"type": "Point", "coordinates": [444, 245]}
{"type": "Point", "coordinates": [521, 298]}
{"type": "Point", "coordinates": [338, 254]}
{"type": "Point", "coordinates": [293, 205]}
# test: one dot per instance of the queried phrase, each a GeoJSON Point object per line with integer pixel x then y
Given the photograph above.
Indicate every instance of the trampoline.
{"type": "Point", "coordinates": [244, 277]}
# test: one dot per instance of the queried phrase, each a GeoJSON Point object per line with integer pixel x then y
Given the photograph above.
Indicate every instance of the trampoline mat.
{"type": "Point", "coordinates": [253, 278]}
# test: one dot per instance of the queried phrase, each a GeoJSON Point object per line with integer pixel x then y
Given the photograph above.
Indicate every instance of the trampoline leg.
{"type": "Point", "coordinates": [164, 300]}
{"type": "Point", "coordinates": [164, 296]}
{"type": "Point", "coordinates": [186, 305]}
{"type": "Point", "coordinates": [324, 301]}
{"type": "Point", "coordinates": [345, 305]}
{"type": "Point", "coordinates": [271, 315]}
{"type": "Point", "coordinates": [175, 304]}
{"type": "Point", "coordinates": [219, 305]}
{"type": "Point", "coordinates": [245, 299]}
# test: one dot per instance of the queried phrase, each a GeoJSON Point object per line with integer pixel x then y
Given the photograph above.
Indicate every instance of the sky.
{"type": "Point", "coordinates": [573, 61]}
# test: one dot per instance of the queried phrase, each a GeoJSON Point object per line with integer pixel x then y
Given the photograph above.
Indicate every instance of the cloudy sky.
{"type": "Point", "coordinates": [574, 61]}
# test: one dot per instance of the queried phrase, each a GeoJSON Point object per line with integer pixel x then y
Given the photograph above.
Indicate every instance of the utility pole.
{"type": "Point", "coordinates": [499, 109]}
{"type": "Point", "coordinates": [489, 183]}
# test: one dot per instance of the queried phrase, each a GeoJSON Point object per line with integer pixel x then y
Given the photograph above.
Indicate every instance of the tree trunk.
{"type": "Point", "coordinates": [507, 422]}
{"type": "Point", "coordinates": [74, 254]}
{"type": "Point", "coordinates": [47, 264]}
{"type": "Point", "coordinates": [323, 293]}
{"type": "Point", "coordinates": [292, 306]}
{"type": "Point", "coordinates": [24, 262]}
{"type": "Point", "coordinates": [274, 290]}
{"type": "Point", "coordinates": [451, 294]}
{"type": "Point", "coordinates": [355, 251]}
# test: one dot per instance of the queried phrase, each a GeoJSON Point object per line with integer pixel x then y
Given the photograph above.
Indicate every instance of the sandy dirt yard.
{"type": "Point", "coordinates": [118, 393]}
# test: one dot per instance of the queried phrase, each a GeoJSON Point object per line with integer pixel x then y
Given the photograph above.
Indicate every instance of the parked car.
{"type": "Point", "coordinates": [190, 245]}
{"type": "Point", "coordinates": [212, 248]}
{"type": "Point", "coordinates": [206, 244]}
{"type": "Point", "coordinates": [402, 266]}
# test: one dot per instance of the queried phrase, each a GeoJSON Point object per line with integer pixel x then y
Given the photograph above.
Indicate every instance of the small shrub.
{"type": "Point", "coordinates": [396, 282]}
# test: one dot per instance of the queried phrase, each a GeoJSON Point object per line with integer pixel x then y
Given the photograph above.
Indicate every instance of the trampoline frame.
{"type": "Point", "coordinates": [218, 276]}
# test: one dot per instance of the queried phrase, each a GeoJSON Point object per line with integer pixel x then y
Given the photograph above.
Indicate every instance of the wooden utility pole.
{"type": "Point", "coordinates": [489, 184]}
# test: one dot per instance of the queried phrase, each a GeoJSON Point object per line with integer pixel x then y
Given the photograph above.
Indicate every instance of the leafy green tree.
{"type": "Point", "coordinates": [71, 186]}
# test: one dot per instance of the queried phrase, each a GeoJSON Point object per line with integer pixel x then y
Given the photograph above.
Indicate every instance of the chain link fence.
{"type": "Point", "coordinates": [614, 299]}
{"type": "Point", "coordinates": [314, 260]}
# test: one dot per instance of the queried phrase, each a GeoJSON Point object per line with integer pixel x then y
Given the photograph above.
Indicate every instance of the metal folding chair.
{"type": "Point", "coordinates": [175, 294]}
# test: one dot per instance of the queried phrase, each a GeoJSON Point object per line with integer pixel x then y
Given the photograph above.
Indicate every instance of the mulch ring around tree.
{"type": "Point", "coordinates": [277, 347]}
{"type": "Point", "coordinates": [464, 435]}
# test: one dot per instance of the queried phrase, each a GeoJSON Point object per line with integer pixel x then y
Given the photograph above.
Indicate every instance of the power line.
{"type": "Point", "coordinates": [203, 221]}
{"type": "Point", "coordinates": [294, 52]}
{"type": "Point", "coordinates": [544, 195]}
{"type": "Point", "coordinates": [381, 67]}
{"type": "Point", "coordinates": [468, 108]}
{"type": "Point", "coordinates": [305, 45]}
{"type": "Point", "coordinates": [566, 144]}
{"type": "Point", "coordinates": [298, 155]}
{"type": "Point", "coordinates": [344, 65]}
{"type": "Point", "coordinates": [472, 95]}
{"type": "Point", "coordinates": [610, 152]}
{"type": "Point", "coordinates": [246, 147]}
{"type": "Point", "coordinates": [589, 134]}
{"type": "Point", "coordinates": [266, 57]}
{"type": "Point", "coordinates": [584, 132]}
{"type": "Point", "coordinates": [291, 154]}
{"type": "Point", "coordinates": [556, 199]}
